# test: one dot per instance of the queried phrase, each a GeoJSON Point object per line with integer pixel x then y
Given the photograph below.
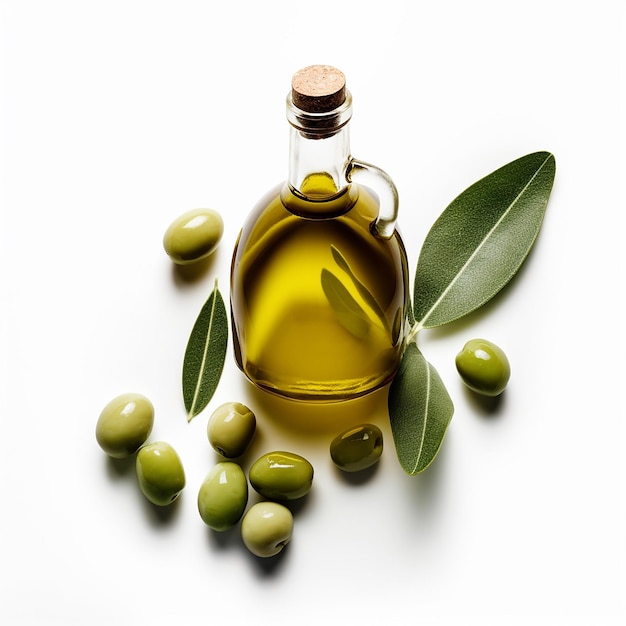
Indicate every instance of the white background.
{"type": "Point", "coordinates": [117, 117]}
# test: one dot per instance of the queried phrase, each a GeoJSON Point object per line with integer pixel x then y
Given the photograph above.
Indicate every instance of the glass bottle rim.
{"type": "Point", "coordinates": [321, 124]}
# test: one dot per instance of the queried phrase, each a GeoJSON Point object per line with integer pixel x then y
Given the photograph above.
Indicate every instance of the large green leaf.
{"type": "Point", "coordinates": [420, 410]}
{"type": "Point", "coordinates": [481, 240]}
{"type": "Point", "coordinates": [205, 354]}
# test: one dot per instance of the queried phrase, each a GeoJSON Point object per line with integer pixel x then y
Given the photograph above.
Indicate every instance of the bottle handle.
{"type": "Point", "coordinates": [379, 181]}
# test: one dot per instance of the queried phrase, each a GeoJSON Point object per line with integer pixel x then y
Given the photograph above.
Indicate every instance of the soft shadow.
{"type": "Point", "coordinates": [124, 470]}
{"type": "Point", "coordinates": [120, 469]}
{"type": "Point", "coordinates": [227, 540]}
{"type": "Point", "coordinates": [486, 406]}
{"type": "Point", "coordinates": [299, 506]}
{"type": "Point", "coordinates": [160, 516]}
{"type": "Point", "coordinates": [358, 478]}
{"type": "Point", "coordinates": [270, 566]}
{"type": "Point", "coordinates": [426, 490]}
{"type": "Point", "coordinates": [231, 540]}
{"type": "Point", "coordinates": [185, 275]}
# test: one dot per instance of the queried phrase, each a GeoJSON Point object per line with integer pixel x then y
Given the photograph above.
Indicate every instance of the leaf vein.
{"type": "Point", "coordinates": [467, 263]}
{"type": "Point", "coordinates": [204, 353]}
{"type": "Point", "coordinates": [423, 437]}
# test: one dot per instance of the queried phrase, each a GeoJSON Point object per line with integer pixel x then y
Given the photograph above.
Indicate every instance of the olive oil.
{"type": "Point", "coordinates": [318, 296]}
{"type": "Point", "coordinates": [314, 303]}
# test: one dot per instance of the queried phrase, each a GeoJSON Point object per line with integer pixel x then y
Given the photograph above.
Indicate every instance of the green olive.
{"type": "Point", "coordinates": [193, 236]}
{"type": "Point", "coordinates": [223, 496]}
{"type": "Point", "coordinates": [125, 424]}
{"type": "Point", "coordinates": [358, 448]}
{"type": "Point", "coordinates": [267, 528]}
{"type": "Point", "coordinates": [160, 473]}
{"type": "Point", "coordinates": [230, 429]}
{"type": "Point", "coordinates": [281, 476]}
{"type": "Point", "coordinates": [483, 367]}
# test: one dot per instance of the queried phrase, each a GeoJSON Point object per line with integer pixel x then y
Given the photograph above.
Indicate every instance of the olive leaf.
{"type": "Point", "coordinates": [481, 239]}
{"type": "Point", "coordinates": [420, 410]}
{"type": "Point", "coordinates": [205, 354]}
{"type": "Point", "coordinates": [348, 311]}
{"type": "Point", "coordinates": [363, 291]}
{"type": "Point", "coordinates": [353, 303]}
{"type": "Point", "coordinates": [473, 249]}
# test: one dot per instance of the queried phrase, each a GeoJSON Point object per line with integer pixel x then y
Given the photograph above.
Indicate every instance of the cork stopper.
{"type": "Point", "coordinates": [318, 88]}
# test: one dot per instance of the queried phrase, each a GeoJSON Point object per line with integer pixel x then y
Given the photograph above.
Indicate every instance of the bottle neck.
{"type": "Point", "coordinates": [317, 166]}
{"type": "Point", "coordinates": [319, 150]}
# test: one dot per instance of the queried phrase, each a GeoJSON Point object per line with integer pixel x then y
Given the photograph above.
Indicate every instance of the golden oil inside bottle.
{"type": "Point", "coordinates": [318, 300]}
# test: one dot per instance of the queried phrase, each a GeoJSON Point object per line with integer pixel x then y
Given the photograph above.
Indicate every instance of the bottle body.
{"type": "Point", "coordinates": [318, 301]}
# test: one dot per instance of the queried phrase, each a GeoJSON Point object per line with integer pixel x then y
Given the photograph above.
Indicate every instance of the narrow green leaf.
{"type": "Point", "coordinates": [363, 291]}
{"type": "Point", "coordinates": [420, 410]}
{"type": "Point", "coordinates": [481, 239]}
{"type": "Point", "coordinates": [348, 311]}
{"type": "Point", "coordinates": [205, 354]}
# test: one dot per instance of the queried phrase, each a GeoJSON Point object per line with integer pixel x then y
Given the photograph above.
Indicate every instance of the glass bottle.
{"type": "Point", "coordinates": [319, 272]}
